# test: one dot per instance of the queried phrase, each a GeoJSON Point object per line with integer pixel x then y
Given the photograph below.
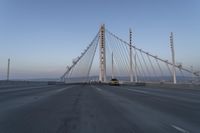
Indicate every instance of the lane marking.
{"type": "Point", "coordinates": [23, 88]}
{"type": "Point", "coordinates": [164, 95]}
{"type": "Point", "coordinates": [140, 91]}
{"type": "Point", "coordinates": [65, 88]}
{"type": "Point", "coordinates": [180, 129]}
{"type": "Point", "coordinates": [96, 88]}
{"type": "Point", "coordinates": [21, 101]}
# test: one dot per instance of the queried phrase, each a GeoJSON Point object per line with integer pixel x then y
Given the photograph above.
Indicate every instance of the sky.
{"type": "Point", "coordinates": [41, 37]}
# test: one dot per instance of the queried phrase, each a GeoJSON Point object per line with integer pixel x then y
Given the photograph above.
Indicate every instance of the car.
{"type": "Point", "coordinates": [114, 81]}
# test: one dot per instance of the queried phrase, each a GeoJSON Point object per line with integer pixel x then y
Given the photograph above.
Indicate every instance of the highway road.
{"type": "Point", "coordinates": [98, 109]}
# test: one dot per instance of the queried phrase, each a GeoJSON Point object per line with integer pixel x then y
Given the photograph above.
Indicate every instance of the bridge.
{"type": "Point", "coordinates": [168, 102]}
{"type": "Point", "coordinates": [123, 60]}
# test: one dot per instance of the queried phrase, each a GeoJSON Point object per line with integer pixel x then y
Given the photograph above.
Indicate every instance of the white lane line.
{"type": "Point", "coordinates": [23, 88]}
{"type": "Point", "coordinates": [99, 89]}
{"type": "Point", "coordinates": [15, 103]}
{"type": "Point", "coordinates": [65, 88]}
{"type": "Point", "coordinates": [180, 129]}
{"type": "Point", "coordinates": [163, 95]}
{"type": "Point", "coordinates": [140, 91]}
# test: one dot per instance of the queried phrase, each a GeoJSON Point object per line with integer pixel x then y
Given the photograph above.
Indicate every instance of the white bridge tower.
{"type": "Point", "coordinates": [102, 57]}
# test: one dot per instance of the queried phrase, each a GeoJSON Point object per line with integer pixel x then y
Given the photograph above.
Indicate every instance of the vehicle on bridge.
{"type": "Point", "coordinates": [114, 81]}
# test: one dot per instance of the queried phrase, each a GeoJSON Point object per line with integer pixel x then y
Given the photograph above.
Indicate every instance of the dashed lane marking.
{"type": "Point", "coordinates": [180, 129]}
{"type": "Point", "coordinates": [99, 89]}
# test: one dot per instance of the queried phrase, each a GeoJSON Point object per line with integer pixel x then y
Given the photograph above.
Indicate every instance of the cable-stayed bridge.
{"type": "Point", "coordinates": [116, 58]}
{"type": "Point", "coordinates": [43, 107]}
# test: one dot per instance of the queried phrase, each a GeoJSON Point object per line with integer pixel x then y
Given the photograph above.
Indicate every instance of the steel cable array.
{"type": "Point", "coordinates": [79, 71]}
{"type": "Point", "coordinates": [148, 67]}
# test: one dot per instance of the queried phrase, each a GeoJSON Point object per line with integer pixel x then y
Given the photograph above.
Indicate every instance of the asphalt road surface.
{"type": "Point", "coordinates": [98, 109]}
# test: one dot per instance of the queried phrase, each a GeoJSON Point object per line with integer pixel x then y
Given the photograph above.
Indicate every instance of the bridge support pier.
{"type": "Point", "coordinates": [173, 57]}
{"type": "Point", "coordinates": [131, 56]}
{"type": "Point", "coordinates": [102, 57]}
{"type": "Point", "coordinates": [131, 59]}
{"type": "Point", "coordinates": [8, 70]}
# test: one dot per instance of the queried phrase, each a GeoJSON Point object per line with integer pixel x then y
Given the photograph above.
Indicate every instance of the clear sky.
{"type": "Point", "coordinates": [43, 36]}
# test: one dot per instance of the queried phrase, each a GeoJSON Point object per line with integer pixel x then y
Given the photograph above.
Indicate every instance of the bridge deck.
{"type": "Point", "coordinates": [98, 109]}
